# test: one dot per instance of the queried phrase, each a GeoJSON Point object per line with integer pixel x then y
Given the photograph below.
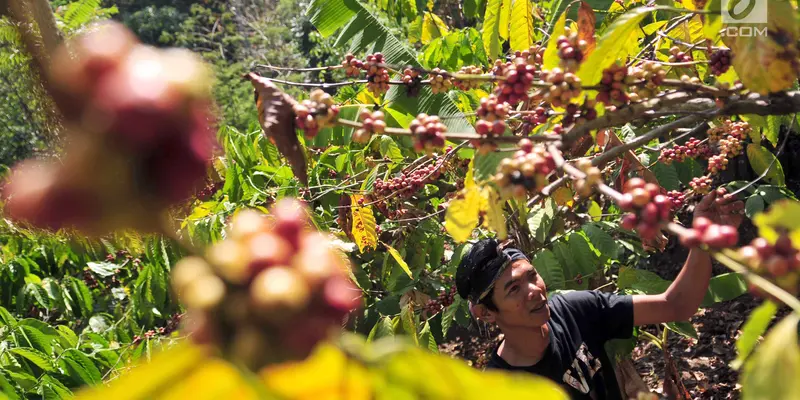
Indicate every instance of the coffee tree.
{"type": "Point", "coordinates": [583, 137]}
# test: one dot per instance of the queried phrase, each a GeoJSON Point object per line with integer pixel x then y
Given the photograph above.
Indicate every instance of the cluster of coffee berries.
{"type": "Point", "coordinates": [371, 123]}
{"type": "Point", "coordinates": [780, 262]}
{"type": "Point", "coordinates": [730, 146]}
{"type": "Point", "coordinates": [428, 132]}
{"type": "Point", "coordinates": [693, 148]}
{"type": "Point", "coordinates": [584, 186]}
{"type": "Point", "coordinates": [444, 300]}
{"type": "Point", "coordinates": [739, 130]}
{"type": "Point", "coordinates": [570, 50]}
{"type": "Point", "coordinates": [377, 75]}
{"type": "Point", "coordinates": [492, 113]}
{"type": "Point", "coordinates": [172, 325]}
{"type": "Point", "coordinates": [534, 119]}
{"type": "Point", "coordinates": [440, 81]}
{"type": "Point", "coordinates": [467, 84]}
{"type": "Point", "coordinates": [717, 163]}
{"type": "Point", "coordinates": [519, 77]}
{"type": "Point", "coordinates": [699, 4]}
{"type": "Point", "coordinates": [573, 114]}
{"type": "Point", "coordinates": [352, 66]}
{"type": "Point", "coordinates": [208, 191]}
{"type": "Point", "coordinates": [406, 184]}
{"type": "Point", "coordinates": [720, 61]}
{"type": "Point", "coordinates": [701, 184]}
{"type": "Point", "coordinates": [564, 87]}
{"type": "Point", "coordinates": [89, 279]}
{"type": "Point", "coordinates": [677, 56]}
{"type": "Point", "coordinates": [647, 76]}
{"type": "Point", "coordinates": [315, 113]}
{"type": "Point", "coordinates": [614, 85]}
{"type": "Point", "coordinates": [715, 236]}
{"type": "Point", "coordinates": [140, 136]}
{"type": "Point", "coordinates": [270, 291]}
{"type": "Point", "coordinates": [413, 81]}
{"type": "Point", "coordinates": [677, 198]}
{"type": "Point", "coordinates": [648, 207]}
{"type": "Point", "coordinates": [533, 56]}
{"type": "Point", "coordinates": [525, 172]}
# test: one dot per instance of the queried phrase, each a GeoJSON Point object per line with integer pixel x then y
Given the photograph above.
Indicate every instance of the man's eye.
{"type": "Point", "coordinates": [513, 289]}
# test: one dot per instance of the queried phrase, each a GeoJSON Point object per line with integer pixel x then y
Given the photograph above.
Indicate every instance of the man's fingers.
{"type": "Point", "coordinates": [707, 200]}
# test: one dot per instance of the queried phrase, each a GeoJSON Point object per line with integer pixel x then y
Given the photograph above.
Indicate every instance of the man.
{"type": "Point", "coordinates": [562, 337]}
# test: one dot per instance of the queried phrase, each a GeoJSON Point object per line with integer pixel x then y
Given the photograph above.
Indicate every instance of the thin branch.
{"type": "Point", "coordinates": [288, 69]}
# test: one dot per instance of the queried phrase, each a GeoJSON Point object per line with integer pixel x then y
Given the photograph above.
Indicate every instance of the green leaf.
{"type": "Point", "coordinates": [549, 268]}
{"type": "Point", "coordinates": [762, 160]}
{"type": "Point", "coordinates": [772, 194]}
{"type": "Point", "coordinates": [724, 287]}
{"type": "Point", "coordinates": [383, 328]}
{"type": "Point", "coordinates": [80, 12]}
{"type": "Point", "coordinates": [6, 318]}
{"type": "Point", "coordinates": [667, 176]}
{"type": "Point", "coordinates": [103, 269]}
{"type": "Point", "coordinates": [37, 339]}
{"type": "Point", "coordinates": [602, 241]}
{"type": "Point", "coordinates": [522, 34]}
{"type": "Point", "coordinates": [88, 372]}
{"type": "Point", "coordinates": [34, 356]}
{"type": "Point", "coordinates": [8, 386]}
{"type": "Point", "coordinates": [612, 45]}
{"type": "Point", "coordinates": [772, 370]}
{"type": "Point", "coordinates": [753, 205]}
{"type": "Point", "coordinates": [550, 58]}
{"type": "Point", "coordinates": [773, 128]}
{"type": "Point", "coordinates": [407, 322]}
{"type": "Point", "coordinates": [390, 150]}
{"type": "Point", "coordinates": [688, 169]}
{"type": "Point", "coordinates": [99, 324]}
{"type": "Point", "coordinates": [491, 28]}
{"type": "Point", "coordinates": [630, 277]}
{"type": "Point", "coordinates": [486, 165]}
{"type": "Point", "coordinates": [684, 328]}
{"type": "Point", "coordinates": [541, 219]}
{"type": "Point", "coordinates": [51, 389]}
{"type": "Point", "coordinates": [329, 16]}
{"type": "Point", "coordinates": [756, 325]}
{"type": "Point", "coordinates": [427, 340]}
{"type": "Point", "coordinates": [583, 254]}
{"type": "Point", "coordinates": [399, 259]}
{"type": "Point", "coordinates": [68, 335]}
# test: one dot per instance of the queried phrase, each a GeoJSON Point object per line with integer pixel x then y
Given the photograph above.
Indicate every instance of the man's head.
{"type": "Point", "coordinates": [503, 286]}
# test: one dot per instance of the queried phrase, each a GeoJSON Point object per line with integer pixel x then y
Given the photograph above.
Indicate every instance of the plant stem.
{"type": "Point", "coordinates": [653, 339]}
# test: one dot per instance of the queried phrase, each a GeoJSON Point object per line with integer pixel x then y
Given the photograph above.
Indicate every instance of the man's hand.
{"type": "Point", "coordinates": [721, 208]}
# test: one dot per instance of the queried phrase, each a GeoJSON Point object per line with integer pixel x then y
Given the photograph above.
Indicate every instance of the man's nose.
{"type": "Point", "coordinates": [533, 291]}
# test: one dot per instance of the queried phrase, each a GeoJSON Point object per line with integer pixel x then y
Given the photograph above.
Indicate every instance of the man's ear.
{"type": "Point", "coordinates": [483, 313]}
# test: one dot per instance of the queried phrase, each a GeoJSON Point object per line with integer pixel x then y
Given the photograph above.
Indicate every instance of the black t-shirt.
{"type": "Point", "coordinates": [580, 324]}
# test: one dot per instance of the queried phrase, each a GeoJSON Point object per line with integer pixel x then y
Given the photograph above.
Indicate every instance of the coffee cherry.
{"type": "Point", "coordinates": [533, 56]}
{"type": "Point", "coordinates": [676, 198]}
{"type": "Point", "coordinates": [563, 87]}
{"type": "Point", "coordinates": [440, 81]}
{"type": "Point", "coordinates": [570, 50]}
{"type": "Point", "coordinates": [720, 61]}
{"type": "Point", "coordinates": [352, 66]}
{"type": "Point", "coordinates": [377, 75]}
{"type": "Point", "coordinates": [701, 184]}
{"type": "Point", "coordinates": [317, 112]}
{"type": "Point", "coordinates": [691, 238]}
{"type": "Point", "coordinates": [613, 85]}
{"type": "Point", "coordinates": [525, 172]}
{"type": "Point", "coordinates": [640, 197]}
{"type": "Point", "coordinates": [467, 84]}
{"type": "Point", "coordinates": [644, 80]}
{"type": "Point", "coordinates": [372, 123]}
{"type": "Point", "coordinates": [278, 292]}
{"type": "Point", "coordinates": [678, 56]}
{"type": "Point", "coordinates": [428, 132]}
{"type": "Point", "coordinates": [574, 114]}
{"type": "Point", "coordinates": [518, 79]}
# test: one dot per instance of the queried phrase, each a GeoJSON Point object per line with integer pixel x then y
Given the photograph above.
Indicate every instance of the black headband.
{"type": "Point", "coordinates": [498, 265]}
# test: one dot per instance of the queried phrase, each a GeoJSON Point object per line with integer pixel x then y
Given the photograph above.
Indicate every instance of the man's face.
{"type": "Point", "coordinates": [521, 297]}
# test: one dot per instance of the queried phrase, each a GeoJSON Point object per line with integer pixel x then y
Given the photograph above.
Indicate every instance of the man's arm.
{"type": "Point", "coordinates": [686, 293]}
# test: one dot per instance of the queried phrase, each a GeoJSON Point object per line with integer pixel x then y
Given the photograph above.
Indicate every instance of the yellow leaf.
{"type": "Point", "coordinates": [772, 370]}
{"type": "Point", "coordinates": [216, 379]}
{"type": "Point", "coordinates": [782, 215]}
{"type": "Point", "coordinates": [688, 4]}
{"type": "Point", "coordinates": [492, 206]}
{"type": "Point", "coordinates": [595, 211]}
{"type": "Point", "coordinates": [363, 225]}
{"type": "Point", "coordinates": [152, 379]}
{"type": "Point", "coordinates": [563, 196]}
{"type": "Point", "coordinates": [522, 25]}
{"type": "Point", "coordinates": [550, 58]}
{"type": "Point", "coordinates": [469, 180]}
{"type": "Point", "coordinates": [366, 97]}
{"type": "Point", "coordinates": [326, 374]}
{"type": "Point", "coordinates": [397, 257]}
{"type": "Point", "coordinates": [766, 60]}
{"type": "Point", "coordinates": [491, 28]}
{"type": "Point", "coordinates": [505, 16]}
{"type": "Point", "coordinates": [432, 27]}
{"type": "Point", "coordinates": [462, 214]}
{"type": "Point", "coordinates": [763, 160]}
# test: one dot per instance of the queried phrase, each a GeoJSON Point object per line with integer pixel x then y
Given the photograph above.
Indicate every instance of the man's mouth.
{"type": "Point", "coordinates": [539, 307]}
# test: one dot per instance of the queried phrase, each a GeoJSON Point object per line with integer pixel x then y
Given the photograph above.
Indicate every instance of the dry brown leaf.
{"type": "Point", "coordinates": [586, 22]}
{"type": "Point", "coordinates": [276, 115]}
